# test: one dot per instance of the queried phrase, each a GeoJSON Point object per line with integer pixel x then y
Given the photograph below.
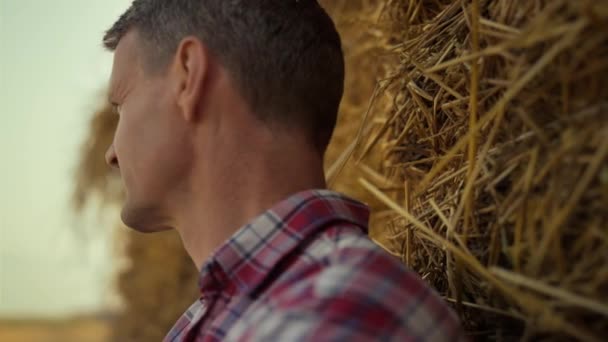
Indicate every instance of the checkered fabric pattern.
{"type": "Point", "coordinates": [305, 270]}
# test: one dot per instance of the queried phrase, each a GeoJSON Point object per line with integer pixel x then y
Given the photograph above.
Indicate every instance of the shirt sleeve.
{"type": "Point", "coordinates": [361, 294]}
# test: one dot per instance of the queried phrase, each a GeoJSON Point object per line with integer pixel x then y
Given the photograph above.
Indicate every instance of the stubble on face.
{"type": "Point", "coordinates": [151, 142]}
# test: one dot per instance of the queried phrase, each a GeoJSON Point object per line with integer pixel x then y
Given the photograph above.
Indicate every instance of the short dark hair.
{"type": "Point", "coordinates": [285, 55]}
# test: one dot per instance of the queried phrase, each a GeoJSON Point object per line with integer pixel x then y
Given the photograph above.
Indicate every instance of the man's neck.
{"type": "Point", "coordinates": [218, 208]}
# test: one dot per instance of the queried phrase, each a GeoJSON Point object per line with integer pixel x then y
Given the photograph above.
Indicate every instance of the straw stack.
{"type": "Point", "coordinates": [493, 159]}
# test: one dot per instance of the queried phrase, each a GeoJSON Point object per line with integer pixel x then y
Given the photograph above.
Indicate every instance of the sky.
{"type": "Point", "coordinates": [53, 72]}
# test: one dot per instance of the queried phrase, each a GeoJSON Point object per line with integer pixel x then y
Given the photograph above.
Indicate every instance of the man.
{"type": "Point", "coordinates": [226, 108]}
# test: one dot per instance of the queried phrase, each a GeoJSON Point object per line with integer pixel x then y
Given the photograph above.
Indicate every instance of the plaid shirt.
{"type": "Point", "coordinates": [306, 270]}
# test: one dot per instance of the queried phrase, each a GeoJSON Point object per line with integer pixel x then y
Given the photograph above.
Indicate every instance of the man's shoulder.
{"type": "Point", "coordinates": [342, 261]}
{"type": "Point", "coordinates": [346, 285]}
{"type": "Point", "coordinates": [352, 264]}
{"type": "Point", "coordinates": [341, 238]}
{"type": "Point", "coordinates": [346, 245]}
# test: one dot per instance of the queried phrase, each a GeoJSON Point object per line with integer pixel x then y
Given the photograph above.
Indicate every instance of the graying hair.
{"type": "Point", "coordinates": [285, 55]}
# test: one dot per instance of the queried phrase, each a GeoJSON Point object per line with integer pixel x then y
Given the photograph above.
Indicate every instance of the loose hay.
{"type": "Point", "coordinates": [494, 160]}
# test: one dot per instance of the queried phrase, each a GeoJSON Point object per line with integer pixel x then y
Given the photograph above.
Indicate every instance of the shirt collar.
{"type": "Point", "coordinates": [246, 259]}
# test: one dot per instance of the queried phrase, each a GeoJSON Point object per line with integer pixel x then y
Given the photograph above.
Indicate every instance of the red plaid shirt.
{"type": "Point", "coordinates": [305, 270]}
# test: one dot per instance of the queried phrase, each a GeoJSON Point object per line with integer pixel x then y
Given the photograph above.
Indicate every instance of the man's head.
{"type": "Point", "coordinates": [283, 62]}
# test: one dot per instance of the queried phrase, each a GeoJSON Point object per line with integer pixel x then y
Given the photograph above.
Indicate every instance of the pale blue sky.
{"type": "Point", "coordinates": [52, 74]}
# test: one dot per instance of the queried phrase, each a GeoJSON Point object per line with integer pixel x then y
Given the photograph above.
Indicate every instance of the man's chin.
{"type": "Point", "coordinates": [145, 220]}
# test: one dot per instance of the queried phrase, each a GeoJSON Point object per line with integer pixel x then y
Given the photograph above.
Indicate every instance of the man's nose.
{"type": "Point", "coordinates": [111, 158]}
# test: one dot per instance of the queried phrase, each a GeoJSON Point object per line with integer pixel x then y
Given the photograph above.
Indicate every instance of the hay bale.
{"type": "Point", "coordinates": [93, 178]}
{"type": "Point", "coordinates": [361, 53]}
{"type": "Point", "coordinates": [157, 286]}
{"type": "Point", "coordinates": [494, 160]}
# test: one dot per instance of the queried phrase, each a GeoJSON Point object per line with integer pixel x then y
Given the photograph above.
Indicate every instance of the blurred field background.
{"type": "Point", "coordinates": [80, 329]}
{"type": "Point", "coordinates": [56, 268]}
{"type": "Point", "coordinates": [476, 130]}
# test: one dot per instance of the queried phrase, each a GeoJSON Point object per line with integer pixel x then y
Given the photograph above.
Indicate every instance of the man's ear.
{"type": "Point", "coordinates": [191, 69]}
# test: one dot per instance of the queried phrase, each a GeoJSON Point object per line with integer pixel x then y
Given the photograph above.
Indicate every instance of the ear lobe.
{"type": "Point", "coordinates": [192, 67]}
